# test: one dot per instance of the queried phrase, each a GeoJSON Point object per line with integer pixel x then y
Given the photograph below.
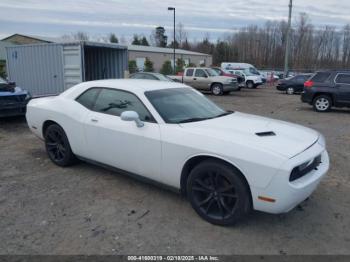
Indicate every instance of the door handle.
{"type": "Point", "coordinates": [194, 78]}
{"type": "Point", "coordinates": [94, 120]}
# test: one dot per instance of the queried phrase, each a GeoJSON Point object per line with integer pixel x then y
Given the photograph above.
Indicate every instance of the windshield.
{"type": "Point", "coordinates": [181, 105]}
{"type": "Point", "coordinates": [248, 72]}
{"type": "Point", "coordinates": [211, 72]}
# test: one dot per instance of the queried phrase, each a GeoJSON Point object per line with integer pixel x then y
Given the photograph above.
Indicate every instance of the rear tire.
{"type": "Point", "coordinates": [217, 89]}
{"type": "Point", "coordinates": [290, 91]}
{"type": "Point", "coordinates": [322, 103]}
{"type": "Point", "coordinates": [218, 193]}
{"type": "Point", "coordinates": [58, 147]}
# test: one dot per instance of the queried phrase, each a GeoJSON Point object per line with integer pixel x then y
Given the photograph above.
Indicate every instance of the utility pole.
{"type": "Point", "coordinates": [286, 56]}
{"type": "Point", "coordinates": [173, 9]}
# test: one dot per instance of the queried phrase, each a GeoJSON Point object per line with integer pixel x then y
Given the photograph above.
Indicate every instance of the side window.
{"type": "Point", "coordinates": [300, 79]}
{"type": "Point", "coordinates": [200, 73]}
{"type": "Point", "coordinates": [115, 102]}
{"type": "Point", "coordinates": [88, 98]}
{"type": "Point", "coordinates": [189, 72]}
{"type": "Point", "coordinates": [343, 79]}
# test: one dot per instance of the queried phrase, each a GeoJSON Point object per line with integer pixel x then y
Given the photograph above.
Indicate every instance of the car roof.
{"type": "Point", "coordinates": [147, 73]}
{"type": "Point", "coordinates": [132, 85]}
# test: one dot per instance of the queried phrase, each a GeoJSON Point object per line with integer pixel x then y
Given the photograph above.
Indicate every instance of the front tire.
{"type": "Point", "coordinates": [322, 103]}
{"type": "Point", "coordinates": [217, 89]}
{"type": "Point", "coordinates": [218, 193]}
{"type": "Point", "coordinates": [250, 84]}
{"type": "Point", "coordinates": [58, 147]}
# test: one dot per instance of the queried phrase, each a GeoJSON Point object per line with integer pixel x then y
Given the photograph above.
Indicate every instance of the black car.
{"type": "Point", "coordinates": [294, 84]}
{"type": "Point", "coordinates": [326, 89]}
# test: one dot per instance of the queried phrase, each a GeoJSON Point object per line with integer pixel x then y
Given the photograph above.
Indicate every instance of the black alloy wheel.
{"type": "Point", "coordinates": [218, 193]}
{"type": "Point", "coordinates": [57, 146]}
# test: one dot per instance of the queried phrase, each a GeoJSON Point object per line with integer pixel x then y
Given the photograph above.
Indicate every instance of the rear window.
{"type": "Point", "coordinates": [321, 77]}
{"type": "Point", "coordinates": [343, 79]}
{"type": "Point", "coordinates": [88, 98]}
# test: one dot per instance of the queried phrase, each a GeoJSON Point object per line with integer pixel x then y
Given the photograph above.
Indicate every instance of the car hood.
{"type": "Point", "coordinates": [17, 91]}
{"type": "Point", "coordinates": [287, 139]}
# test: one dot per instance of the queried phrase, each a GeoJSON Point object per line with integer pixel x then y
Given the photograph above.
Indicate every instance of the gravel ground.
{"type": "Point", "coordinates": [84, 209]}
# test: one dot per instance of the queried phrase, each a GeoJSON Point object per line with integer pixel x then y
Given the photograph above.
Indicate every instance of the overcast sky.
{"type": "Point", "coordinates": [126, 17]}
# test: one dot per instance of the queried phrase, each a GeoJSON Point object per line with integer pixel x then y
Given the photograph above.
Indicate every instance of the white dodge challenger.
{"type": "Point", "coordinates": [226, 163]}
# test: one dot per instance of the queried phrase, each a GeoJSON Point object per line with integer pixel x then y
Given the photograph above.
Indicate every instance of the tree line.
{"type": "Point", "coordinates": [312, 47]}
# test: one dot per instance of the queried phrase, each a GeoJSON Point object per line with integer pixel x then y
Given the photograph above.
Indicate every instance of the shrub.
{"type": "Point", "coordinates": [148, 65]}
{"type": "Point", "coordinates": [166, 68]}
{"type": "Point", "coordinates": [132, 66]}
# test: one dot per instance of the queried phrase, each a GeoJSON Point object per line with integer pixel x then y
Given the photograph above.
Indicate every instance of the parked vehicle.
{"type": "Point", "coordinates": [327, 89]}
{"type": "Point", "coordinates": [226, 163]}
{"type": "Point", "coordinates": [221, 72]}
{"type": "Point", "coordinates": [293, 84]}
{"type": "Point", "coordinates": [250, 80]}
{"type": "Point", "coordinates": [13, 99]}
{"type": "Point", "coordinates": [206, 79]}
{"type": "Point", "coordinates": [151, 76]}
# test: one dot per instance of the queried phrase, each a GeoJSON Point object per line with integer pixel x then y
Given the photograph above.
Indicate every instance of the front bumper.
{"type": "Point", "coordinates": [288, 194]}
{"type": "Point", "coordinates": [14, 109]}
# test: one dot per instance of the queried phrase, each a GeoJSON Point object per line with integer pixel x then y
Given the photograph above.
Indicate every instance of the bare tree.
{"type": "Point", "coordinates": [181, 34]}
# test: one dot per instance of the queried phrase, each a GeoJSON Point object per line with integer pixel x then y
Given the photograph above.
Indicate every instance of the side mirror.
{"type": "Point", "coordinates": [205, 76]}
{"type": "Point", "coordinates": [132, 116]}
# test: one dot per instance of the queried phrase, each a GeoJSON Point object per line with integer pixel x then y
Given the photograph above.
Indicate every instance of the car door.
{"type": "Point", "coordinates": [342, 84]}
{"type": "Point", "coordinates": [201, 79]}
{"type": "Point", "coordinates": [188, 76]}
{"type": "Point", "coordinates": [122, 144]}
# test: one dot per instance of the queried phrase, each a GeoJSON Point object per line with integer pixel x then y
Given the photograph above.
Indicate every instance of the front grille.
{"type": "Point", "coordinates": [12, 99]}
{"type": "Point", "coordinates": [305, 168]}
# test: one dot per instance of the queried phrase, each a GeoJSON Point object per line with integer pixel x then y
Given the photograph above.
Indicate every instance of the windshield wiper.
{"type": "Point", "coordinates": [193, 119]}
{"type": "Point", "coordinates": [224, 114]}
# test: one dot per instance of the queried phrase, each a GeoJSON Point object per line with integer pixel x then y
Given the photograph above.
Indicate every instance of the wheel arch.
{"type": "Point", "coordinates": [332, 96]}
{"type": "Point", "coordinates": [46, 124]}
{"type": "Point", "coordinates": [215, 83]}
{"type": "Point", "coordinates": [197, 159]}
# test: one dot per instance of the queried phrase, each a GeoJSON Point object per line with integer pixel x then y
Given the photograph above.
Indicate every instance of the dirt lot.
{"type": "Point", "coordinates": [85, 209]}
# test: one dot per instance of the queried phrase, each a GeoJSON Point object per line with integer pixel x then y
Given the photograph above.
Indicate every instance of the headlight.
{"type": "Point", "coordinates": [28, 97]}
{"type": "Point", "coordinates": [322, 140]}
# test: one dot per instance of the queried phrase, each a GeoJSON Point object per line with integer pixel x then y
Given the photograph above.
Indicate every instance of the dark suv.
{"type": "Point", "coordinates": [326, 89]}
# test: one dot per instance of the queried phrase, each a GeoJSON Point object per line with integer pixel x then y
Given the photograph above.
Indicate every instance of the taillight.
{"type": "Point", "coordinates": [308, 84]}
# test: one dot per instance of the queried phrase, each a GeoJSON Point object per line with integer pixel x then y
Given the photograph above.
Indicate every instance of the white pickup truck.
{"type": "Point", "coordinates": [206, 79]}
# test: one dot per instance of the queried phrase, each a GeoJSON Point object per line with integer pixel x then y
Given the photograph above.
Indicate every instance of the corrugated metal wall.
{"type": "Point", "coordinates": [36, 68]}
{"type": "Point", "coordinates": [104, 63]}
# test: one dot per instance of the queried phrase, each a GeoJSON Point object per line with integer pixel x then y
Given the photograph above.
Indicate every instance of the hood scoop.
{"type": "Point", "coordinates": [267, 133]}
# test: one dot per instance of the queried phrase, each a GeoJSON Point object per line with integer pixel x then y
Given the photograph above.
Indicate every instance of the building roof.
{"type": "Point", "coordinates": [3, 49]}
{"type": "Point", "coordinates": [153, 49]}
{"type": "Point", "coordinates": [138, 48]}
